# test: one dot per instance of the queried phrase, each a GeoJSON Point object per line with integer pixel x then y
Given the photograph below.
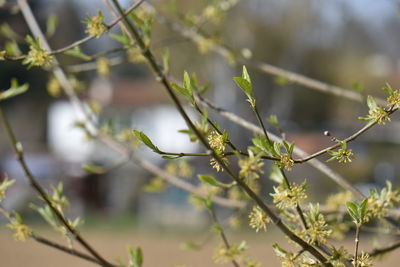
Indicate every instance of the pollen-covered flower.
{"type": "Point", "coordinates": [215, 164]}
{"type": "Point", "coordinates": [95, 25]}
{"type": "Point", "coordinates": [4, 185]}
{"type": "Point", "coordinates": [223, 255]}
{"type": "Point", "coordinates": [21, 231]}
{"type": "Point", "coordinates": [37, 56]}
{"type": "Point", "coordinates": [394, 98]}
{"type": "Point", "coordinates": [345, 155]}
{"type": "Point", "coordinates": [287, 198]}
{"type": "Point", "coordinates": [258, 219]}
{"type": "Point", "coordinates": [217, 141]}
{"type": "Point", "coordinates": [363, 260]}
{"type": "Point", "coordinates": [251, 166]}
{"type": "Point", "coordinates": [318, 229]}
{"type": "Point", "coordinates": [285, 162]}
{"type": "Point", "coordinates": [379, 114]}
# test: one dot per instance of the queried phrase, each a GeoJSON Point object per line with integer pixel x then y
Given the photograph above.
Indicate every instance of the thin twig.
{"type": "Point", "coordinates": [160, 76]}
{"type": "Point", "coordinates": [221, 233]}
{"type": "Point", "coordinates": [352, 137]}
{"type": "Point", "coordinates": [195, 35]}
{"type": "Point", "coordinates": [314, 162]}
{"type": "Point", "coordinates": [17, 147]}
{"type": "Point", "coordinates": [356, 243]}
{"type": "Point", "coordinates": [51, 244]}
{"type": "Point", "coordinates": [83, 40]}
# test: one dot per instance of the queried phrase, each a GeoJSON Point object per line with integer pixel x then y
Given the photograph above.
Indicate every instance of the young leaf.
{"type": "Point", "coordinates": [244, 85]}
{"type": "Point", "coordinates": [135, 257]}
{"type": "Point", "coordinates": [121, 38]}
{"type": "Point", "coordinates": [90, 168]}
{"type": "Point", "coordinates": [77, 52]}
{"type": "Point", "coordinates": [186, 81]}
{"type": "Point", "coordinates": [371, 103]}
{"type": "Point", "coordinates": [165, 60]}
{"type": "Point", "coordinates": [14, 90]}
{"type": "Point", "coordinates": [353, 211]}
{"type": "Point", "coordinates": [210, 180]}
{"type": "Point", "coordinates": [146, 140]}
{"type": "Point", "coordinates": [363, 208]}
{"type": "Point", "coordinates": [245, 74]}
{"type": "Point", "coordinates": [51, 25]}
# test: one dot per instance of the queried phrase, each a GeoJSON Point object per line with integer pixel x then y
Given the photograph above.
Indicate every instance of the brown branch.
{"type": "Point", "coordinates": [195, 35]}
{"type": "Point", "coordinates": [314, 162]}
{"type": "Point", "coordinates": [160, 76]}
{"type": "Point", "coordinates": [352, 137]}
{"type": "Point", "coordinates": [222, 233]}
{"type": "Point", "coordinates": [17, 147]}
{"type": "Point", "coordinates": [85, 39]}
{"type": "Point", "coordinates": [52, 244]}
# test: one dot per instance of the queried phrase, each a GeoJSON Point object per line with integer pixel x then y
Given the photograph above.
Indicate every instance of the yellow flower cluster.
{"type": "Point", "coordinates": [21, 231]}
{"type": "Point", "coordinates": [95, 25]}
{"type": "Point", "coordinates": [223, 255]}
{"type": "Point", "coordinates": [288, 198]}
{"type": "Point", "coordinates": [345, 155]}
{"type": "Point", "coordinates": [258, 219]}
{"type": "Point", "coordinates": [37, 56]}
{"type": "Point", "coordinates": [363, 260]}
{"type": "Point", "coordinates": [318, 230]}
{"type": "Point", "coordinates": [251, 166]}
{"type": "Point", "coordinates": [394, 98]}
{"type": "Point", "coordinates": [285, 162]}
{"type": "Point", "coordinates": [379, 114]}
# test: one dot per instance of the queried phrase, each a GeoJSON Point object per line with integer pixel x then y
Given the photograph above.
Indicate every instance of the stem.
{"type": "Point", "coordinates": [356, 241]}
{"type": "Point", "coordinates": [17, 147]}
{"type": "Point", "coordinates": [221, 233]}
{"type": "Point", "coordinates": [260, 121]}
{"type": "Point", "coordinates": [194, 34]}
{"type": "Point", "coordinates": [85, 39]}
{"type": "Point", "coordinates": [160, 76]}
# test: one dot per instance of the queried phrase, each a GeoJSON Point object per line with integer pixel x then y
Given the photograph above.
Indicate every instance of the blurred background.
{"type": "Point", "coordinates": [352, 44]}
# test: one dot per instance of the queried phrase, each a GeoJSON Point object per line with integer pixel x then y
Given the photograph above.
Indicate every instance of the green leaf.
{"type": "Point", "coordinates": [280, 252]}
{"type": "Point", "coordinates": [182, 90]}
{"type": "Point", "coordinates": [275, 174]}
{"type": "Point", "coordinates": [165, 60]}
{"type": "Point", "coordinates": [90, 168]}
{"type": "Point", "coordinates": [363, 208]}
{"type": "Point", "coordinates": [77, 52]}
{"type": "Point", "coordinates": [273, 120]}
{"type": "Point", "coordinates": [51, 25]}
{"type": "Point", "coordinates": [353, 211]}
{"type": "Point", "coordinates": [277, 148]}
{"type": "Point", "coordinates": [135, 257]}
{"type": "Point", "coordinates": [146, 140]}
{"type": "Point", "coordinates": [371, 103]}
{"type": "Point", "coordinates": [245, 74]}
{"type": "Point", "coordinates": [210, 180]}
{"type": "Point", "coordinates": [121, 38]}
{"type": "Point", "coordinates": [388, 89]}
{"type": "Point", "coordinates": [8, 32]}
{"type": "Point", "coordinates": [244, 85]}
{"type": "Point", "coordinates": [14, 90]}
{"type": "Point", "coordinates": [186, 81]}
